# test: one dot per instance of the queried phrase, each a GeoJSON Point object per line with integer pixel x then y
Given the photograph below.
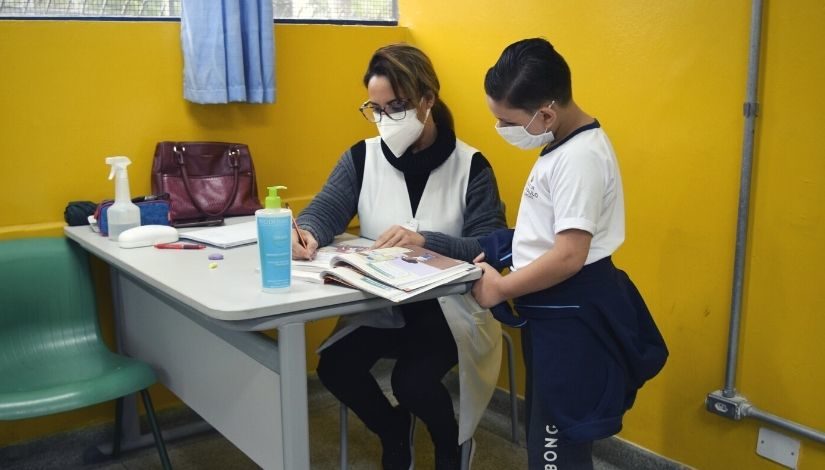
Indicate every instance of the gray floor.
{"type": "Point", "coordinates": [210, 450]}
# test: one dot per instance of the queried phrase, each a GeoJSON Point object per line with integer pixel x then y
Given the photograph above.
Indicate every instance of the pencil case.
{"type": "Point", "coordinates": [154, 210]}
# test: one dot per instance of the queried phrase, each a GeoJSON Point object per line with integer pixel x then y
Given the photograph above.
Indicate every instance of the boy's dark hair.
{"type": "Point", "coordinates": [529, 74]}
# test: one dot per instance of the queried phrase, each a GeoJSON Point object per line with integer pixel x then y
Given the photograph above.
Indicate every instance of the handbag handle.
{"type": "Point", "coordinates": [233, 162]}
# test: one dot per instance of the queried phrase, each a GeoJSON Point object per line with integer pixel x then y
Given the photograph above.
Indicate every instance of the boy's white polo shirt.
{"type": "Point", "coordinates": [576, 185]}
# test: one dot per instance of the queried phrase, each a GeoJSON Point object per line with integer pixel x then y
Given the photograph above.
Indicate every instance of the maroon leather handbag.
{"type": "Point", "coordinates": [206, 181]}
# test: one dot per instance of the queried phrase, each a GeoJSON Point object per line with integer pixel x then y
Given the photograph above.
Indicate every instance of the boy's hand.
{"type": "Point", "coordinates": [486, 290]}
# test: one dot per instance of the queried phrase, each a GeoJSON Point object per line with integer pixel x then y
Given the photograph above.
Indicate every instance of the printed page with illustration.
{"type": "Point", "coordinates": [396, 273]}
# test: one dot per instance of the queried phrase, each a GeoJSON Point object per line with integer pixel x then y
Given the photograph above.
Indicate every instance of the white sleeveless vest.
{"type": "Point", "coordinates": [384, 200]}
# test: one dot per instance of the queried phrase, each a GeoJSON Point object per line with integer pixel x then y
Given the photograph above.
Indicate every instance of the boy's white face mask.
{"type": "Point", "coordinates": [523, 139]}
{"type": "Point", "coordinates": [400, 134]}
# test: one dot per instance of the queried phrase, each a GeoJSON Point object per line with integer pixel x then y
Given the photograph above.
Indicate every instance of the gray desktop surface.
{"type": "Point", "coordinates": [230, 293]}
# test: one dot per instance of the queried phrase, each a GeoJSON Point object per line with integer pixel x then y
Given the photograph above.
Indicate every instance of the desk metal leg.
{"type": "Point", "coordinates": [129, 419]}
{"type": "Point", "coordinates": [127, 411]}
{"type": "Point", "coordinates": [131, 437]}
{"type": "Point", "coordinates": [294, 407]}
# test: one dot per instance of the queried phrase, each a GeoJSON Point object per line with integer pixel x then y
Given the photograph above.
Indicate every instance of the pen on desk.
{"type": "Point", "coordinates": [180, 246]}
{"type": "Point", "coordinates": [301, 240]}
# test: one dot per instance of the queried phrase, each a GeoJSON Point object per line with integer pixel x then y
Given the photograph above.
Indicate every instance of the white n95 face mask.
{"type": "Point", "coordinates": [400, 134]}
{"type": "Point", "coordinates": [521, 138]}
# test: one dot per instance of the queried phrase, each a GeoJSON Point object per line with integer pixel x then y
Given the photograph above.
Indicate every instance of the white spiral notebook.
{"type": "Point", "coordinates": [225, 236]}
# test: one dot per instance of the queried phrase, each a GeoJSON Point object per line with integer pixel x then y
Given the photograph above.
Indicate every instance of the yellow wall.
{"type": "Point", "coordinates": [666, 80]}
{"type": "Point", "coordinates": [72, 93]}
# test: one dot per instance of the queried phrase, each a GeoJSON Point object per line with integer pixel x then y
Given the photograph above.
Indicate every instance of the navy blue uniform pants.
{"type": "Point", "coordinates": [545, 448]}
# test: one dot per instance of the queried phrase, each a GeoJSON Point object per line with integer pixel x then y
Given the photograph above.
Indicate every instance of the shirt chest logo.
{"type": "Point", "coordinates": [530, 191]}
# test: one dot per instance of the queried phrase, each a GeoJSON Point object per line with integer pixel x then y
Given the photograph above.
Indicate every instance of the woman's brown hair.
{"type": "Point", "coordinates": [411, 76]}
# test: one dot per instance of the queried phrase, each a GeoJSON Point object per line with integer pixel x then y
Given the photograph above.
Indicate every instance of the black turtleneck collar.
{"type": "Point", "coordinates": [425, 160]}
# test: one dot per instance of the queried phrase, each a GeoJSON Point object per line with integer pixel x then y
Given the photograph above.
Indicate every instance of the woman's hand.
{"type": "Point", "coordinates": [398, 236]}
{"type": "Point", "coordinates": [486, 290]}
{"type": "Point", "coordinates": [298, 250]}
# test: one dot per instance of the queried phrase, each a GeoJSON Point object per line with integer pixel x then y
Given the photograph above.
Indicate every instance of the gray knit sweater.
{"type": "Point", "coordinates": [333, 208]}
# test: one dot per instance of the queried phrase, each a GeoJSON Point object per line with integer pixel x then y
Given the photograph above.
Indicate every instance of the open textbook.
{"type": "Point", "coordinates": [396, 273]}
{"type": "Point", "coordinates": [344, 243]}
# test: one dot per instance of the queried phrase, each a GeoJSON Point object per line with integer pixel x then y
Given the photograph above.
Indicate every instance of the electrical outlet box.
{"type": "Point", "coordinates": [777, 447]}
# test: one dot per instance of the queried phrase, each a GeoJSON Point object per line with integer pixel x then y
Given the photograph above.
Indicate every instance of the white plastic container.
{"type": "Point", "coordinates": [123, 214]}
{"type": "Point", "coordinates": [275, 242]}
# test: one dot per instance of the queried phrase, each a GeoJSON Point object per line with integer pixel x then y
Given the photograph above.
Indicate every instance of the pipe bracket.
{"type": "Point", "coordinates": [734, 408]}
{"type": "Point", "coordinates": [750, 109]}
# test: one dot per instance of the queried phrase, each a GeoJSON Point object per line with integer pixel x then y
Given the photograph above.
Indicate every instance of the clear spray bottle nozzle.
{"type": "Point", "coordinates": [118, 163]}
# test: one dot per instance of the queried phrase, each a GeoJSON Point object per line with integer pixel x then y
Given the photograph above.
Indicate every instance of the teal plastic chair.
{"type": "Point", "coordinates": [52, 356]}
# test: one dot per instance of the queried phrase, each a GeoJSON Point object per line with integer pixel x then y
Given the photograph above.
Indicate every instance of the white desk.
{"type": "Point", "coordinates": [200, 330]}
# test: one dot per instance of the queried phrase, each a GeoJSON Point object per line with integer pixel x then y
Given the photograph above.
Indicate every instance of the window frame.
{"type": "Point", "coordinates": [344, 22]}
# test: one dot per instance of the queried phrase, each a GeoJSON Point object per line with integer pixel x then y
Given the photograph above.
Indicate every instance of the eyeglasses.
{"type": "Point", "coordinates": [395, 110]}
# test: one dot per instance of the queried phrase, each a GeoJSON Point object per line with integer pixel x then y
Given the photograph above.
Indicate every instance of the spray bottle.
{"type": "Point", "coordinates": [123, 214]}
{"type": "Point", "coordinates": [275, 242]}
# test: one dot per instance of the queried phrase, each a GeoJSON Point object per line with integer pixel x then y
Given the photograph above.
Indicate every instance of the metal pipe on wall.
{"type": "Point", "coordinates": [783, 423]}
{"type": "Point", "coordinates": [727, 402]}
{"type": "Point", "coordinates": [750, 111]}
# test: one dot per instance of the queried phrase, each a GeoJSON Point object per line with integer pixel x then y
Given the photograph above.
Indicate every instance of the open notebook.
{"type": "Point", "coordinates": [225, 236]}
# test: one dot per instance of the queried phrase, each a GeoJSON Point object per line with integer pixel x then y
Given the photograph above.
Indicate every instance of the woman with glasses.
{"type": "Point", "coordinates": [413, 184]}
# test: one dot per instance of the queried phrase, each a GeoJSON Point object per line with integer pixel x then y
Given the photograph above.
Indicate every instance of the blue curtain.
{"type": "Point", "coordinates": [228, 51]}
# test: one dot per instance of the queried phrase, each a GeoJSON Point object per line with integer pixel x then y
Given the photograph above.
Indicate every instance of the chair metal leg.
{"type": "Point", "coordinates": [467, 446]}
{"type": "Point", "coordinates": [150, 415]}
{"type": "Point", "coordinates": [466, 451]}
{"type": "Point", "coordinates": [118, 428]}
{"type": "Point", "coordinates": [511, 372]}
{"type": "Point", "coordinates": [344, 432]}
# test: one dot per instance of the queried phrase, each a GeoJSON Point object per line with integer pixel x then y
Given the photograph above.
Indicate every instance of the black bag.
{"type": "Point", "coordinates": [78, 212]}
